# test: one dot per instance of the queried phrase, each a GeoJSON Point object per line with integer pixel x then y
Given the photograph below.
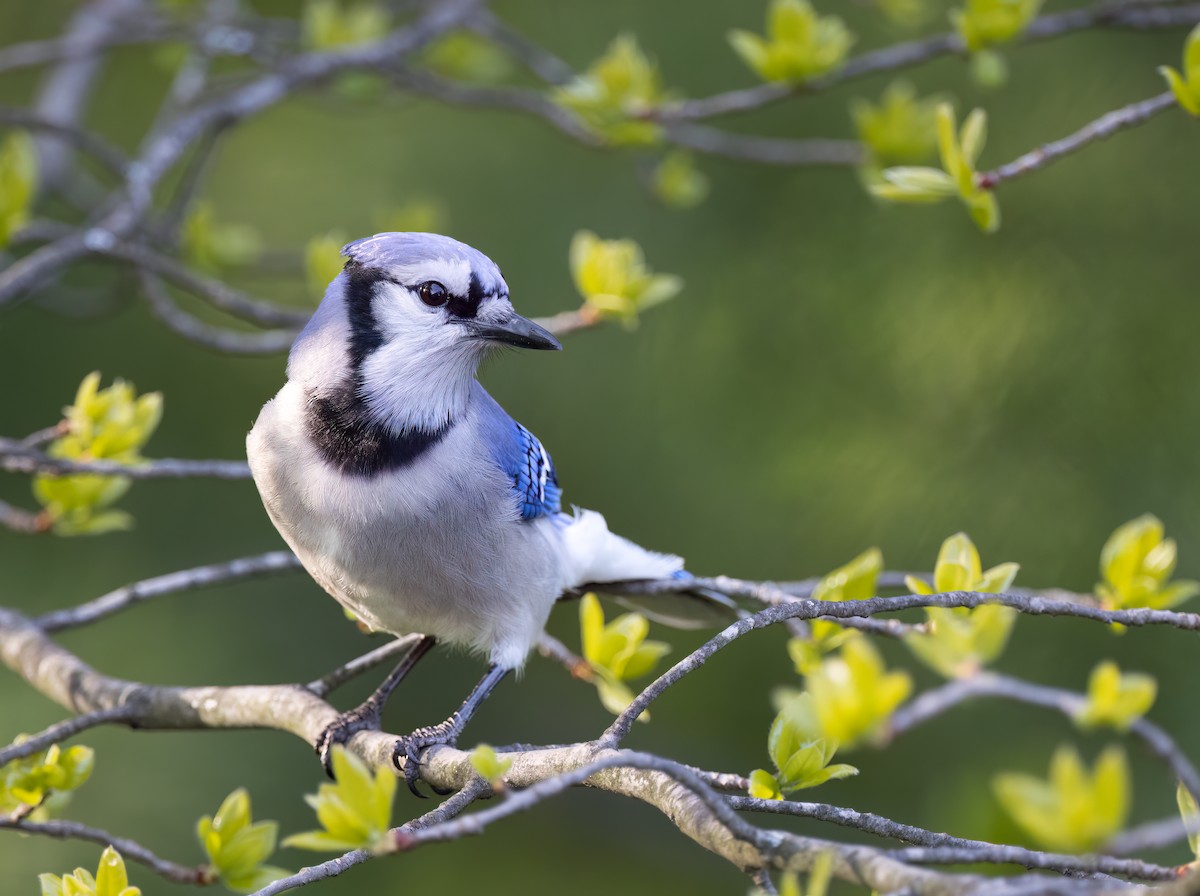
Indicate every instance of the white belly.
{"type": "Point", "coordinates": [432, 549]}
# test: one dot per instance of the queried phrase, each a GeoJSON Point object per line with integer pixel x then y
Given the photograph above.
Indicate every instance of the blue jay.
{"type": "Point", "coordinates": [406, 491]}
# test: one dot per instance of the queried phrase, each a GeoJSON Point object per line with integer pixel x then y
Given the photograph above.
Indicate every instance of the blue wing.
{"type": "Point", "coordinates": [534, 478]}
{"type": "Point", "coordinates": [523, 459]}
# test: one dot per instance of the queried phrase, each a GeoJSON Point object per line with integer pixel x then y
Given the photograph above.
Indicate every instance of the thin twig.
{"type": "Point", "coordinates": [129, 849]}
{"type": "Point", "coordinates": [334, 679]}
{"type": "Point", "coordinates": [219, 339]}
{"type": "Point", "coordinates": [171, 583]}
{"type": "Point", "coordinates": [23, 521]}
{"type": "Point", "coordinates": [980, 850]}
{"type": "Point", "coordinates": [60, 731]}
{"type": "Point", "coordinates": [766, 150]}
{"type": "Point", "coordinates": [554, 649]}
{"type": "Point", "coordinates": [15, 459]}
{"type": "Point", "coordinates": [1104, 126]}
{"type": "Point", "coordinates": [215, 292]}
{"type": "Point", "coordinates": [94, 145]}
{"type": "Point", "coordinates": [1015, 855]}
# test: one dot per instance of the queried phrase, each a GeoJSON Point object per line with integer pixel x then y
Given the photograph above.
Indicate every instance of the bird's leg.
{"type": "Point", "coordinates": [410, 747]}
{"type": "Point", "coordinates": [368, 715]}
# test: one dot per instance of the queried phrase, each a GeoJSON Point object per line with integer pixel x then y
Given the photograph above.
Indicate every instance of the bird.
{"type": "Point", "coordinates": [406, 491]}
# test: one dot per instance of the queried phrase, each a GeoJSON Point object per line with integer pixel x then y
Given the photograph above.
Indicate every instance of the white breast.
{"type": "Point", "coordinates": [435, 547]}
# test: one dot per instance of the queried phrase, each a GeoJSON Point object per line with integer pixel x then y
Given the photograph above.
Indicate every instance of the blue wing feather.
{"type": "Point", "coordinates": [521, 456]}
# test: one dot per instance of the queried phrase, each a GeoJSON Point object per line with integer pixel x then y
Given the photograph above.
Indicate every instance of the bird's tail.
{"type": "Point", "coordinates": [603, 560]}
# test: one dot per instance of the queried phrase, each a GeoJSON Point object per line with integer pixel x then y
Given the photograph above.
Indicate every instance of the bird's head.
{"type": "Point", "coordinates": [408, 322]}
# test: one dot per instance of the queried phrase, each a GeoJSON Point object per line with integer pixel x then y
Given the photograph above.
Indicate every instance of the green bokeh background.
{"type": "Point", "coordinates": [836, 375]}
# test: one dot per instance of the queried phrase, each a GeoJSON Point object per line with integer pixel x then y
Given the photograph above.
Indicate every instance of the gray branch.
{"type": "Point", "coordinates": [129, 849]}
{"type": "Point", "coordinates": [1105, 126]}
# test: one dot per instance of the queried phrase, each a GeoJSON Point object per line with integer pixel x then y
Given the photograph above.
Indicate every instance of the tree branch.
{"type": "Point", "coordinates": [129, 849]}
{"type": "Point", "coordinates": [1104, 126]}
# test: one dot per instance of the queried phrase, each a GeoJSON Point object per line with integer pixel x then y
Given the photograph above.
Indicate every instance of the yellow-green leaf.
{"type": "Point", "coordinates": [1072, 810]}
{"type": "Point", "coordinates": [1116, 699]}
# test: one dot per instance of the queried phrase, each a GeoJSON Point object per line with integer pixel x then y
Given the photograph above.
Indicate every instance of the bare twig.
{"type": "Point", "coordinates": [1104, 126]}
{"type": "Point", "coordinates": [95, 146]}
{"type": "Point", "coordinates": [1015, 855]}
{"type": "Point", "coordinates": [61, 731]}
{"type": "Point", "coordinates": [219, 339]}
{"type": "Point", "coordinates": [15, 459]}
{"type": "Point", "coordinates": [327, 683]}
{"type": "Point", "coordinates": [171, 583]}
{"type": "Point", "coordinates": [980, 851]}
{"type": "Point", "coordinates": [533, 56]}
{"type": "Point", "coordinates": [129, 849]}
{"type": "Point", "coordinates": [554, 649]}
{"type": "Point", "coordinates": [766, 150]}
{"type": "Point", "coordinates": [23, 521]}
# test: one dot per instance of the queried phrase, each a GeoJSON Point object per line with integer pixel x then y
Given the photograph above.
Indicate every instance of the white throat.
{"type": "Point", "coordinates": [419, 383]}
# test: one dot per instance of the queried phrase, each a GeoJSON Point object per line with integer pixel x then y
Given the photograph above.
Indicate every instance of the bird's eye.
{"type": "Point", "coordinates": [433, 293]}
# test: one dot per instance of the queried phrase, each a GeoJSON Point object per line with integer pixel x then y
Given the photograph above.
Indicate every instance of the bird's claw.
{"type": "Point", "coordinates": [341, 729]}
{"type": "Point", "coordinates": [407, 753]}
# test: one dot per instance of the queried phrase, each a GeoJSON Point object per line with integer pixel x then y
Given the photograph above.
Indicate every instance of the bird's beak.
{"type": "Point", "coordinates": [514, 330]}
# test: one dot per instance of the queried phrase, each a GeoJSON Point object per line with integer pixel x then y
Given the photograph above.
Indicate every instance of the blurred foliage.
{"type": "Point", "coordinates": [618, 652]}
{"type": "Point", "coordinates": [983, 23]}
{"type": "Point", "coordinates": [212, 245]}
{"type": "Point", "coordinates": [818, 880]}
{"type": "Point", "coordinates": [678, 182]}
{"type": "Point", "coordinates": [848, 697]}
{"type": "Point", "coordinates": [489, 766]}
{"type": "Point", "coordinates": [900, 129]}
{"type": "Point", "coordinates": [614, 280]}
{"type": "Point", "coordinates": [1189, 811]}
{"type": "Point", "coordinates": [466, 56]}
{"type": "Point", "coordinates": [1073, 810]}
{"type": "Point", "coordinates": [800, 44]}
{"type": "Point", "coordinates": [618, 89]}
{"type": "Point", "coordinates": [1186, 84]}
{"type": "Point", "coordinates": [18, 182]}
{"type": "Point", "coordinates": [1115, 698]}
{"type": "Point", "coordinates": [103, 424]}
{"type": "Point", "coordinates": [329, 24]}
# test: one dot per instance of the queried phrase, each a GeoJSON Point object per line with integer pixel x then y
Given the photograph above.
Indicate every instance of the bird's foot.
{"type": "Point", "coordinates": [407, 753]}
{"type": "Point", "coordinates": [366, 717]}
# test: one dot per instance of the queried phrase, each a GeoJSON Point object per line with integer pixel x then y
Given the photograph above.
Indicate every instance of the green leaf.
{"type": "Point", "coordinates": [984, 23]}
{"type": "Point", "coordinates": [614, 96]}
{"type": "Point", "coordinates": [1190, 813]}
{"type": "Point", "coordinates": [355, 810]}
{"type": "Point", "coordinates": [323, 262]}
{"type": "Point", "coordinates": [488, 765]}
{"type": "Point", "coordinates": [237, 847]}
{"type": "Point", "coordinates": [764, 785]}
{"type": "Point", "coordinates": [111, 880]}
{"type": "Point", "coordinates": [900, 129]}
{"type": "Point", "coordinates": [1116, 699]}
{"type": "Point", "coordinates": [1136, 564]}
{"type": "Point", "coordinates": [110, 424]}
{"type": "Point", "coordinates": [613, 278]}
{"type": "Point", "coordinates": [1071, 811]}
{"type": "Point", "coordinates": [799, 45]}
{"type": "Point", "coordinates": [18, 183]}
